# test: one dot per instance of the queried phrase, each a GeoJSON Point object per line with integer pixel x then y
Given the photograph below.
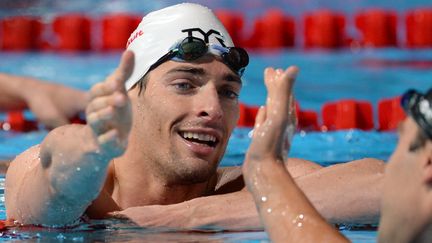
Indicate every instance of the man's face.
{"type": "Point", "coordinates": [184, 117]}
{"type": "Point", "coordinates": [401, 205]}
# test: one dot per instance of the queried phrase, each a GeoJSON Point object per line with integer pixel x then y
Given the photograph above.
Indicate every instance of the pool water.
{"type": "Point", "coordinates": [324, 77]}
{"type": "Point", "coordinates": [362, 74]}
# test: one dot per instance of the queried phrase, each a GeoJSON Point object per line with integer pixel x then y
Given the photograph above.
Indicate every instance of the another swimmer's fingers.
{"type": "Point", "coordinates": [116, 100]}
{"type": "Point", "coordinates": [290, 76]}
{"type": "Point", "coordinates": [268, 76]}
{"type": "Point", "coordinates": [260, 117]}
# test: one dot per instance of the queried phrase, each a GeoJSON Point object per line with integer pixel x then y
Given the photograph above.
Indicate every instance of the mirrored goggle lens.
{"type": "Point", "coordinates": [191, 49]}
{"type": "Point", "coordinates": [237, 58]}
{"type": "Point", "coordinates": [408, 100]}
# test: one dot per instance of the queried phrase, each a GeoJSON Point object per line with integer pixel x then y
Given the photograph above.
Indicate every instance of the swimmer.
{"type": "Point", "coordinates": [406, 208]}
{"type": "Point", "coordinates": [52, 104]}
{"type": "Point", "coordinates": [156, 131]}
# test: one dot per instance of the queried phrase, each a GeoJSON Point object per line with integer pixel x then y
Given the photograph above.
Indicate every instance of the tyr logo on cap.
{"type": "Point", "coordinates": [206, 35]}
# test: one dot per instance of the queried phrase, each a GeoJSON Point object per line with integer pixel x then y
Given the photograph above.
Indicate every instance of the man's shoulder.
{"type": "Point", "coordinates": [229, 179]}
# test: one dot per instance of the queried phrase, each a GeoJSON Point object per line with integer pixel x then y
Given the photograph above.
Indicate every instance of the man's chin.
{"type": "Point", "coordinates": [196, 171]}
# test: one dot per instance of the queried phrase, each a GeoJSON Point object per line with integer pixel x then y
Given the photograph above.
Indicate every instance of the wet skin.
{"type": "Point", "coordinates": [405, 206]}
{"type": "Point", "coordinates": [181, 99]}
{"type": "Point", "coordinates": [139, 150]}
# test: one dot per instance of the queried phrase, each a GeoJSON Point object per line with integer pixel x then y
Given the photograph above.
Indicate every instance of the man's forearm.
{"type": "Point", "coordinates": [346, 193]}
{"type": "Point", "coordinates": [286, 213]}
{"type": "Point", "coordinates": [233, 211]}
{"type": "Point", "coordinates": [76, 167]}
{"type": "Point", "coordinates": [56, 188]}
{"type": "Point", "coordinates": [342, 194]}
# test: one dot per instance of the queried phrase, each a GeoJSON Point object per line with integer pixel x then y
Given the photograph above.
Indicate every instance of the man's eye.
{"type": "Point", "coordinates": [229, 94]}
{"type": "Point", "coordinates": [183, 86]}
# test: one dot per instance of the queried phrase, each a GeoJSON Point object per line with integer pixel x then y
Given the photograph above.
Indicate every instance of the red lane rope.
{"type": "Point", "coordinates": [336, 115]}
{"type": "Point", "coordinates": [321, 28]}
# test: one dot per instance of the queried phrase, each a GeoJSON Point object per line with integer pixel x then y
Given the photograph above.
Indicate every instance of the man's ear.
{"type": "Point", "coordinates": [427, 166]}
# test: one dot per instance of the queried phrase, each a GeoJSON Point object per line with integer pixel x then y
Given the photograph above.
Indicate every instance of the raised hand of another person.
{"type": "Point", "coordinates": [285, 211]}
{"type": "Point", "coordinates": [275, 122]}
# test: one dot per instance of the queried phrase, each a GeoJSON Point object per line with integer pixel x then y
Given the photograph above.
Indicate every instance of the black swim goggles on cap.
{"type": "Point", "coordinates": [419, 107]}
{"type": "Point", "coordinates": [192, 48]}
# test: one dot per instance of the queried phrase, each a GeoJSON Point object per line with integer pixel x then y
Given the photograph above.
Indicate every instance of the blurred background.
{"type": "Point", "coordinates": [356, 58]}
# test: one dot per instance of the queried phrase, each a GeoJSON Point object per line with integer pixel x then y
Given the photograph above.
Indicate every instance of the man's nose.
{"type": "Point", "coordinates": [209, 104]}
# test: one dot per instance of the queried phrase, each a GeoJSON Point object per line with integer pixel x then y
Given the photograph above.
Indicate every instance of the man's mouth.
{"type": "Point", "coordinates": [200, 138]}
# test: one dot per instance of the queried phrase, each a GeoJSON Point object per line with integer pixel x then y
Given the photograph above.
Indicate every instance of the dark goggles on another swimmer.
{"type": "Point", "coordinates": [419, 107]}
{"type": "Point", "coordinates": [192, 48]}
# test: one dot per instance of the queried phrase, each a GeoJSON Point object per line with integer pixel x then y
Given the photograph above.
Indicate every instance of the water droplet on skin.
{"type": "Point", "coordinates": [269, 210]}
{"type": "Point", "coordinates": [264, 199]}
{"type": "Point", "coordinates": [250, 134]}
{"type": "Point", "coordinates": [301, 216]}
{"type": "Point", "coordinates": [299, 224]}
{"type": "Point", "coordinates": [78, 169]}
{"type": "Point", "coordinates": [6, 126]}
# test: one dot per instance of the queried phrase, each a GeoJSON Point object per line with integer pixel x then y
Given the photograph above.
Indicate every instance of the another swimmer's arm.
{"type": "Point", "coordinates": [11, 90]}
{"type": "Point", "coordinates": [74, 159]}
{"type": "Point", "coordinates": [52, 104]}
{"type": "Point", "coordinates": [286, 213]}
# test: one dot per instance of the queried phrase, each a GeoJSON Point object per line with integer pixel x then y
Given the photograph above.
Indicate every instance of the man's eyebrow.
{"type": "Point", "coordinates": [188, 69]}
{"type": "Point", "coordinates": [232, 78]}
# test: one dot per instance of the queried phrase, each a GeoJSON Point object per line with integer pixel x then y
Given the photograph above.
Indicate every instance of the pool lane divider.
{"type": "Point", "coordinates": [418, 24]}
{"type": "Point", "coordinates": [336, 115]}
{"type": "Point", "coordinates": [16, 121]}
{"type": "Point", "coordinates": [324, 29]}
{"type": "Point", "coordinates": [73, 32]}
{"type": "Point", "coordinates": [273, 29]}
{"type": "Point", "coordinates": [378, 28]}
{"type": "Point", "coordinates": [347, 114]}
{"type": "Point", "coordinates": [23, 33]}
{"type": "Point", "coordinates": [340, 115]}
{"type": "Point", "coordinates": [116, 29]}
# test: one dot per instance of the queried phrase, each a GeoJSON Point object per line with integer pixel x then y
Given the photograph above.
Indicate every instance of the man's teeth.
{"type": "Point", "coordinates": [198, 136]}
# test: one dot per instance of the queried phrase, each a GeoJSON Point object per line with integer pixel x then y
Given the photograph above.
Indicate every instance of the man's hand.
{"type": "Point", "coordinates": [109, 112]}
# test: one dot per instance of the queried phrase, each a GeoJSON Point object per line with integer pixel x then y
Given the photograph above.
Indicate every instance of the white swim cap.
{"type": "Point", "coordinates": [160, 30]}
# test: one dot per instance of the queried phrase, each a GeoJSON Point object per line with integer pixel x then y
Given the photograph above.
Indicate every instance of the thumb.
{"type": "Point", "coordinates": [125, 68]}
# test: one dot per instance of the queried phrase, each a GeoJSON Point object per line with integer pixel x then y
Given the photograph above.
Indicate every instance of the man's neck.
{"type": "Point", "coordinates": [139, 184]}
